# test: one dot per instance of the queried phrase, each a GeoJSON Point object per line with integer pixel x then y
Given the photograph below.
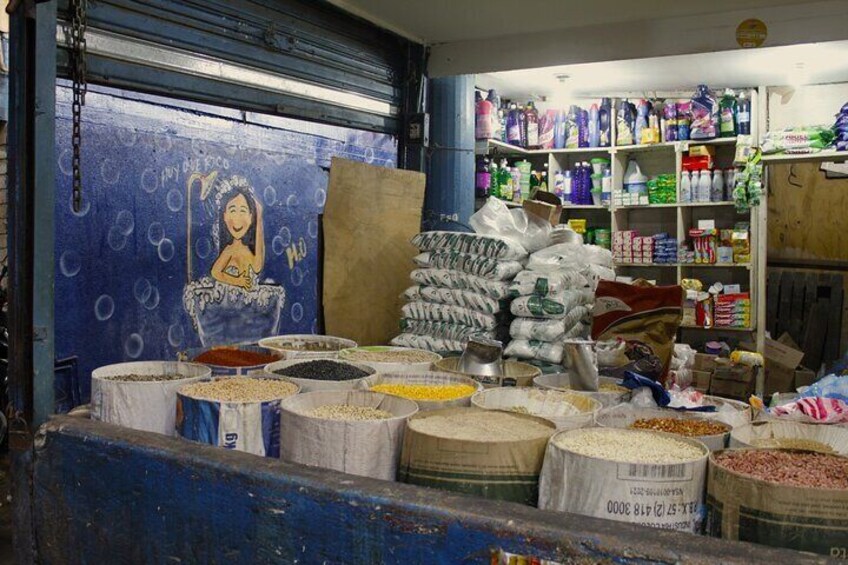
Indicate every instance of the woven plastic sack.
{"type": "Point", "coordinates": [428, 343]}
{"type": "Point", "coordinates": [496, 219]}
{"type": "Point", "coordinates": [453, 279]}
{"type": "Point", "coordinates": [444, 330]}
{"type": "Point", "coordinates": [493, 246]}
{"type": "Point", "coordinates": [477, 265]}
{"type": "Point", "coordinates": [542, 283]}
{"type": "Point", "coordinates": [533, 349]}
{"type": "Point", "coordinates": [553, 306]}
{"type": "Point", "coordinates": [452, 314]}
{"type": "Point", "coordinates": [547, 330]}
{"type": "Point", "coordinates": [455, 297]}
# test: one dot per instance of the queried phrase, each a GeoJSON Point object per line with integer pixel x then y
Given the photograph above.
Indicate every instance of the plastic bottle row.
{"type": "Point", "coordinates": [707, 185]}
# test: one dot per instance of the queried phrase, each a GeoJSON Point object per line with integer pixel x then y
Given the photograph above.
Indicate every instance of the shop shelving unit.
{"type": "Point", "coordinates": [675, 219]}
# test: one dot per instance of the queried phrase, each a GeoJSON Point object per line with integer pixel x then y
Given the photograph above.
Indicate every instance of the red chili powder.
{"type": "Point", "coordinates": [230, 357]}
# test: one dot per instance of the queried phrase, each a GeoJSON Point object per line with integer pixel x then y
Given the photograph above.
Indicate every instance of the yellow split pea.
{"type": "Point", "coordinates": [426, 392]}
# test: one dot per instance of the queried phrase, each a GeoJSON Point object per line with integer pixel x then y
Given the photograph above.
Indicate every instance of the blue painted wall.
{"type": "Point", "coordinates": [133, 267]}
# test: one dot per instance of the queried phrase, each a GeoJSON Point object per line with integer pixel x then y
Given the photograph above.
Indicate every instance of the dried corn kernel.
{"type": "Point", "coordinates": [426, 392]}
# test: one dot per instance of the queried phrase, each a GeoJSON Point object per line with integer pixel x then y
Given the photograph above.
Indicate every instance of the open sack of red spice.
{"type": "Point", "coordinates": [824, 402]}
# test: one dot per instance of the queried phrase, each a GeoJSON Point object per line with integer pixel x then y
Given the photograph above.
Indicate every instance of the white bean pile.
{"type": "Point", "coordinates": [474, 425]}
{"type": "Point", "coordinates": [242, 389]}
{"type": "Point", "coordinates": [348, 412]}
{"type": "Point", "coordinates": [628, 446]}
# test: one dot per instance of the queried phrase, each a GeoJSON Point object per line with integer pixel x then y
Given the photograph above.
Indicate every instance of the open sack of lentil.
{"type": "Point", "coordinates": [782, 498]}
{"type": "Point", "coordinates": [488, 453]}
{"type": "Point", "coordinates": [321, 374]}
{"type": "Point", "coordinates": [431, 391]}
{"type": "Point", "coordinates": [241, 413]}
{"type": "Point", "coordinates": [356, 432]}
{"type": "Point", "coordinates": [461, 288]}
{"type": "Point", "coordinates": [641, 477]}
{"type": "Point", "coordinates": [233, 360]}
{"type": "Point", "coordinates": [792, 435]}
{"type": "Point", "coordinates": [567, 410]}
{"type": "Point", "coordinates": [141, 395]}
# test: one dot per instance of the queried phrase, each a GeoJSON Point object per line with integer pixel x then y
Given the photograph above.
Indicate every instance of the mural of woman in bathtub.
{"type": "Point", "coordinates": [229, 296]}
{"type": "Point", "coordinates": [242, 238]}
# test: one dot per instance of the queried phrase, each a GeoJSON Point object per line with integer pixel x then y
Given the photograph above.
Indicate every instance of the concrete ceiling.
{"type": "Point", "coordinates": [790, 65]}
{"type": "Point", "coordinates": [445, 21]}
{"type": "Point", "coordinates": [478, 36]}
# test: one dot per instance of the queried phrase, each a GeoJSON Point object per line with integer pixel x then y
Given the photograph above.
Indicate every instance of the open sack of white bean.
{"type": "Point", "coordinates": [356, 432]}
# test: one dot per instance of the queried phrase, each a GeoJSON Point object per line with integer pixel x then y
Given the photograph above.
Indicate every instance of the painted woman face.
{"type": "Point", "coordinates": [237, 216]}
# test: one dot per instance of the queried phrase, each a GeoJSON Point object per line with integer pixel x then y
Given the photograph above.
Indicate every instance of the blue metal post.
{"type": "Point", "coordinates": [449, 200]}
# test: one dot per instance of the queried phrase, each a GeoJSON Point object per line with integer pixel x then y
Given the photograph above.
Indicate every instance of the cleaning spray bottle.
{"type": "Point", "coordinates": [727, 109]}
{"type": "Point", "coordinates": [594, 127]}
{"type": "Point", "coordinates": [605, 122]}
{"type": "Point", "coordinates": [513, 126]}
{"type": "Point", "coordinates": [559, 130]}
{"type": "Point", "coordinates": [532, 125]}
{"type": "Point", "coordinates": [743, 115]}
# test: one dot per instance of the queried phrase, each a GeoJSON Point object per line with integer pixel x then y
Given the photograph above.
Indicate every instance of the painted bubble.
{"type": "Point", "coordinates": [314, 327]}
{"type": "Point", "coordinates": [163, 142]}
{"type": "Point", "coordinates": [297, 312]}
{"type": "Point", "coordinates": [116, 238]}
{"type": "Point", "coordinates": [153, 301]}
{"type": "Point", "coordinates": [65, 162]}
{"type": "Point", "coordinates": [312, 228]}
{"type": "Point", "coordinates": [198, 146]}
{"type": "Point", "coordinates": [369, 154]}
{"type": "Point", "coordinates": [142, 290]}
{"type": "Point", "coordinates": [85, 206]}
{"type": "Point", "coordinates": [128, 137]}
{"type": "Point", "coordinates": [109, 171]}
{"type": "Point", "coordinates": [270, 195]}
{"type": "Point", "coordinates": [125, 222]}
{"type": "Point", "coordinates": [155, 233]}
{"type": "Point", "coordinates": [174, 200]}
{"type": "Point", "coordinates": [203, 247]}
{"type": "Point", "coordinates": [320, 197]}
{"type": "Point", "coordinates": [285, 236]}
{"type": "Point", "coordinates": [149, 180]}
{"type": "Point", "coordinates": [292, 200]}
{"type": "Point", "coordinates": [166, 250]}
{"type": "Point", "coordinates": [297, 276]}
{"type": "Point", "coordinates": [70, 263]}
{"type": "Point", "coordinates": [277, 245]}
{"type": "Point", "coordinates": [390, 164]}
{"type": "Point", "coordinates": [176, 335]}
{"type": "Point", "coordinates": [133, 346]}
{"type": "Point", "coordinates": [104, 307]}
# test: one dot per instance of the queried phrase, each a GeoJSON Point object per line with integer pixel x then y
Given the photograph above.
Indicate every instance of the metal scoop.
{"type": "Point", "coordinates": [483, 357]}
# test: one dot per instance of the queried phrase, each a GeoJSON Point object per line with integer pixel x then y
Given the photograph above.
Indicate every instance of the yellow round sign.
{"type": "Point", "coordinates": [751, 33]}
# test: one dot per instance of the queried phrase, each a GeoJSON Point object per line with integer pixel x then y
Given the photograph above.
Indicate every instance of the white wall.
{"type": "Point", "coordinates": [805, 105]}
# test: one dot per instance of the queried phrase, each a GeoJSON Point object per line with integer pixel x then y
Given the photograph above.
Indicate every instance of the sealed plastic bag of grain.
{"type": "Point", "coordinates": [356, 432]}
{"type": "Point", "coordinates": [488, 453]}
{"type": "Point", "coordinates": [647, 478]}
{"type": "Point", "coordinates": [241, 413]}
{"type": "Point", "coordinates": [686, 424]}
{"type": "Point", "coordinates": [388, 359]}
{"type": "Point", "coordinates": [567, 410]}
{"type": "Point", "coordinates": [141, 395]}
{"type": "Point", "coordinates": [432, 391]}
{"type": "Point", "coordinates": [782, 498]}
{"type": "Point", "coordinates": [823, 438]}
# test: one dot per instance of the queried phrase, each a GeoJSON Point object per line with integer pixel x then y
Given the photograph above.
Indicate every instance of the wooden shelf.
{"type": "Point", "coordinates": [717, 265]}
{"type": "Point", "coordinates": [717, 329]}
{"type": "Point", "coordinates": [585, 207]}
{"type": "Point", "coordinates": [647, 147]}
{"type": "Point", "coordinates": [684, 145]}
{"type": "Point", "coordinates": [647, 265]}
{"type": "Point", "coordinates": [644, 206]}
{"type": "Point", "coordinates": [700, 204]}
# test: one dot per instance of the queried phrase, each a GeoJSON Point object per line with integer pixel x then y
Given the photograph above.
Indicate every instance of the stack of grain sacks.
{"type": "Point", "coordinates": [553, 300]}
{"type": "Point", "coordinates": [460, 290]}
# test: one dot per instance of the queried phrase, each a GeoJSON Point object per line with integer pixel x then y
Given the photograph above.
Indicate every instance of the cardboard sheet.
{"type": "Point", "coordinates": [369, 218]}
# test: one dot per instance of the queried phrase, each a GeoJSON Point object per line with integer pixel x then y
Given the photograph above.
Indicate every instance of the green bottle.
{"type": "Point", "coordinates": [727, 114]}
{"type": "Point", "coordinates": [494, 182]}
{"type": "Point", "coordinates": [504, 181]}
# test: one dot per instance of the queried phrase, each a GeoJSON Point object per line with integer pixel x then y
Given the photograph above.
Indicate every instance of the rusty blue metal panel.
{"type": "Point", "coordinates": [105, 494]}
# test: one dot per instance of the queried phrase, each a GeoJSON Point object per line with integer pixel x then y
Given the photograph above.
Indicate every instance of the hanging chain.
{"type": "Point", "coordinates": [80, 87]}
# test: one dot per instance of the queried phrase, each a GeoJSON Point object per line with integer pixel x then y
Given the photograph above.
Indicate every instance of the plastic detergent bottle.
{"type": "Point", "coordinates": [743, 114]}
{"type": "Point", "coordinates": [494, 184]}
{"type": "Point", "coordinates": [531, 122]}
{"type": "Point", "coordinates": [583, 128]}
{"type": "Point", "coordinates": [522, 126]}
{"type": "Point", "coordinates": [484, 125]}
{"type": "Point", "coordinates": [504, 181]}
{"type": "Point", "coordinates": [717, 187]}
{"type": "Point", "coordinates": [594, 127]}
{"type": "Point", "coordinates": [559, 130]}
{"type": "Point", "coordinates": [704, 186]}
{"type": "Point", "coordinates": [685, 187]}
{"type": "Point", "coordinates": [624, 125]}
{"type": "Point", "coordinates": [543, 183]}
{"type": "Point", "coordinates": [513, 125]}
{"type": "Point", "coordinates": [634, 180]}
{"type": "Point", "coordinates": [516, 184]}
{"type": "Point", "coordinates": [566, 186]}
{"type": "Point", "coordinates": [641, 121]}
{"type": "Point", "coordinates": [605, 123]}
{"type": "Point", "coordinates": [547, 127]}
{"type": "Point", "coordinates": [727, 114]}
{"type": "Point", "coordinates": [496, 114]}
{"type": "Point", "coordinates": [559, 180]}
{"type": "Point", "coordinates": [483, 178]}
{"type": "Point", "coordinates": [572, 131]}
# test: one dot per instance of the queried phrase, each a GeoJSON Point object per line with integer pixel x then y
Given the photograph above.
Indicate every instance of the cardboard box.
{"type": "Point", "coordinates": [704, 362]}
{"type": "Point", "coordinates": [778, 379]}
{"type": "Point", "coordinates": [782, 358]}
{"type": "Point", "coordinates": [804, 377]}
{"type": "Point", "coordinates": [730, 388]}
{"type": "Point", "coordinates": [548, 212]}
{"type": "Point", "coordinates": [701, 380]}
